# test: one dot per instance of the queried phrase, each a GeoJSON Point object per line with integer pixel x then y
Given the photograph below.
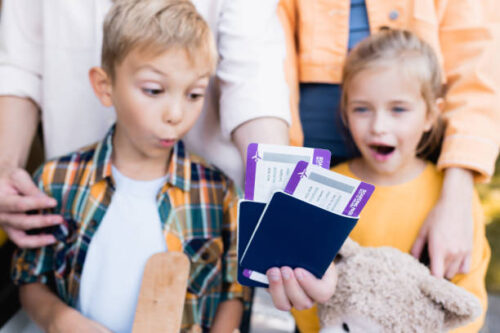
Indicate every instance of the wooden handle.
{"type": "Point", "coordinates": [163, 290]}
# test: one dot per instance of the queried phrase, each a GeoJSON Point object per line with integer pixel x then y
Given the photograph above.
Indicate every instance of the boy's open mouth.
{"type": "Point", "coordinates": [382, 149]}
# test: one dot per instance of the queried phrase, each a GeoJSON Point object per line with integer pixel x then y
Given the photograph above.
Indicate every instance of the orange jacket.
{"type": "Point", "coordinates": [464, 33]}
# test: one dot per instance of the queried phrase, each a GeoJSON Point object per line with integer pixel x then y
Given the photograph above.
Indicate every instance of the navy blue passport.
{"type": "Point", "coordinates": [294, 233]}
{"type": "Point", "coordinates": [249, 213]}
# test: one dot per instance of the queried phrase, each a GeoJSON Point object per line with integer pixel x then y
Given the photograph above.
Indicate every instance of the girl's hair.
{"type": "Point", "coordinates": [416, 58]}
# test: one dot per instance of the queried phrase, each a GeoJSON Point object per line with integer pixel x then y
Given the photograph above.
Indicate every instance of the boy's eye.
{"type": "Point", "coordinates": [152, 91]}
{"type": "Point", "coordinates": [195, 96]}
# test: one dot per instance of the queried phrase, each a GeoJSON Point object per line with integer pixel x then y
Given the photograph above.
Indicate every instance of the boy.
{"type": "Point", "coordinates": [138, 192]}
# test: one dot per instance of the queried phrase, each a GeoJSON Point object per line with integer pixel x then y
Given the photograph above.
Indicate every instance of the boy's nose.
{"type": "Point", "coordinates": [173, 113]}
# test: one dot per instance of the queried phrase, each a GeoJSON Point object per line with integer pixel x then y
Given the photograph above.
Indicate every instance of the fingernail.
{"type": "Point", "coordinates": [51, 202]}
{"type": "Point", "coordinates": [274, 274]}
{"type": "Point", "coordinates": [286, 273]}
{"type": "Point", "coordinates": [299, 274]}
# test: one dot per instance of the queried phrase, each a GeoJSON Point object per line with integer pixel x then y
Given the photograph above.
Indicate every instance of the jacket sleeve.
{"type": "Point", "coordinates": [251, 74]}
{"type": "Point", "coordinates": [20, 49]}
{"type": "Point", "coordinates": [470, 46]}
{"type": "Point", "coordinates": [474, 281]}
{"type": "Point", "coordinates": [287, 13]}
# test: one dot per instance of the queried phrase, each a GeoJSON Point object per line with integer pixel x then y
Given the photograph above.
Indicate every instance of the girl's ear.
{"type": "Point", "coordinates": [433, 115]}
{"type": "Point", "coordinates": [102, 85]}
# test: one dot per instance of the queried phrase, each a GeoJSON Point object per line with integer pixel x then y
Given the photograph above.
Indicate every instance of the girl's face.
{"type": "Point", "coordinates": [387, 116]}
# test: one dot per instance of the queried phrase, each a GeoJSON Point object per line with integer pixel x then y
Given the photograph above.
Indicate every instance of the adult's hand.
{"type": "Point", "coordinates": [448, 229]}
{"type": "Point", "coordinates": [300, 289]}
{"type": "Point", "coordinates": [262, 130]}
{"type": "Point", "coordinates": [18, 196]}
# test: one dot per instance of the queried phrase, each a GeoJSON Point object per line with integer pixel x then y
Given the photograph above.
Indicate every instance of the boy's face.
{"type": "Point", "coordinates": [157, 99]}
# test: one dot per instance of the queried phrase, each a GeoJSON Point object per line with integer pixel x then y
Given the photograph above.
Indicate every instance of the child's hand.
{"type": "Point", "coordinates": [74, 321]}
{"type": "Point", "coordinates": [448, 228]}
{"type": "Point", "coordinates": [300, 289]}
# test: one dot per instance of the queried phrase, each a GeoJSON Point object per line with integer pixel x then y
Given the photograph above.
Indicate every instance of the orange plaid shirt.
{"type": "Point", "coordinates": [198, 211]}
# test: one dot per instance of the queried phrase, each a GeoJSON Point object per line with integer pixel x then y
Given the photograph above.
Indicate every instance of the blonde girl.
{"type": "Point", "coordinates": [391, 103]}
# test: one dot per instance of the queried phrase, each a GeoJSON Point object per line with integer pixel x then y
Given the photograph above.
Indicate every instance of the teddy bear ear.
{"type": "Point", "coordinates": [349, 248]}
{"type": "Point", "coordinates": [459, 306]}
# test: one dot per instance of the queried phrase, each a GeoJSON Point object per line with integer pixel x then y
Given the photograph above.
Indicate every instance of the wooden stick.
{"type": "Point", "coordinates": [163, 290]}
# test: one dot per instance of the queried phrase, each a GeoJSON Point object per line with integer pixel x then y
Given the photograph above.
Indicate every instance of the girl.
{"type": "Point", "coordinates": [391, 103]}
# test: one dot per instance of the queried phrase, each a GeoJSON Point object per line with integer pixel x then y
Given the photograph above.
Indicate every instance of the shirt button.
{"type": "Point", "coordinates": [393, 15]}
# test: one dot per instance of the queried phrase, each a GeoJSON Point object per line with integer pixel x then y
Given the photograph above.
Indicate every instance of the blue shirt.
{"type": "Point", "coordinates": [319, 102]}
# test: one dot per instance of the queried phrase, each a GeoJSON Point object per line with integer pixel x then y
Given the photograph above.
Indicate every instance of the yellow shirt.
{"type": "Point", "coordinates": [393, 217]}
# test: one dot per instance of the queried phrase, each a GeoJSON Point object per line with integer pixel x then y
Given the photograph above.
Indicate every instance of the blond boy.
{"type": "Point", "coordinates": [137, 192]}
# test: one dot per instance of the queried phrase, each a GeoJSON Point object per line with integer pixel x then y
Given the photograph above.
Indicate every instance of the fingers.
{"type": "Point", "coordinates": [296, 294]}
{"type": "Point", "coordinates": [22, 181]}
{"type": "Point", "coordinates": [300, 289]}
{"type": "Point", "coordinates": [286, 291]}
{"type": "Point", "coordinates": [418, 246]}
{"type": "Point", "coordinates": [26, 222]}
{"type": "Point", "coordinates": [318, 290]}
{"type": "Point", "coordinates": [277, 290]}
{"type": "Point", "coordinates": [437, 262]}
{"type": "Point", "coordinates": [22, 204]}
{"type": "Point", "coordinates": [21, 239]}
{"type": "Point", "coordinates": [452, 267]}
{"type": "Point", "coordinates": [465, 267]}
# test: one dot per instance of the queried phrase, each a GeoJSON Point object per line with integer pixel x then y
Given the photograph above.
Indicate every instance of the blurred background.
{"type": "Point", "coordinates": [265, 318]}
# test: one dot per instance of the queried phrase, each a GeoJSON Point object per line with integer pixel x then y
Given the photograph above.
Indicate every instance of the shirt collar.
{"type": "Point", "coordinates": [102, 158]}
{"type": "Point", "coordinates": [178, 171]}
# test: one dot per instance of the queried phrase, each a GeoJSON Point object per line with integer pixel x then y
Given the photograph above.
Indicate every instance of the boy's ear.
{"type": "Point", "coordinates": [102, 85]}
{"type": "Point", "coordinates": [433, 115]}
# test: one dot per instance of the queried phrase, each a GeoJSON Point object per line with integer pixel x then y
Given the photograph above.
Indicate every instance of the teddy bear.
{"type": "Point", "coordinates": [385, 290]}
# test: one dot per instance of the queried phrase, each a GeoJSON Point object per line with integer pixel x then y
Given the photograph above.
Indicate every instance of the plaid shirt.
{"type": "Point", "coordinates": [198, 211]}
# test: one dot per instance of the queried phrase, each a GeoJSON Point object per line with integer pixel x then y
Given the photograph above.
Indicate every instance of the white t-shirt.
{"type": "Point", "coordinates": [128, 235]}
{"type": "Point", "coordinates": [48, 47]}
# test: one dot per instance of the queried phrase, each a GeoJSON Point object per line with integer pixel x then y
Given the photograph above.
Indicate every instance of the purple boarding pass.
{"type": "Point", "coordinates": [269, 167]}
{"type": "Point", "coordinates": [329, 190]}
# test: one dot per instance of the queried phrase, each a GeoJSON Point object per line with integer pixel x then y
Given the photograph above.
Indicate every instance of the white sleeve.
{"type": "Point", "coordinates": [251, 73]}
{"type": "Point", "coordinates": [21, 55]}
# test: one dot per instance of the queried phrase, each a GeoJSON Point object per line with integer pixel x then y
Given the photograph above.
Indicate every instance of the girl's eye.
{"type": "Point", "coordinates": [152, 91]}
{"type": "Point", "coordinates": [360, 109]}
{"type": "Point", "coordinates": [399, 109]}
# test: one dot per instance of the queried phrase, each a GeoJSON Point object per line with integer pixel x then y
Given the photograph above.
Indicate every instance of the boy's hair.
{"type": "Point", "coordinates": [156, 25]}
{"type": "Point", "coordinates": [417, 58]}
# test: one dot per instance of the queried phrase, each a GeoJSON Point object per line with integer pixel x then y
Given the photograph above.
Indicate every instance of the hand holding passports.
{"type": "Point", "coordinates": [296, 213]}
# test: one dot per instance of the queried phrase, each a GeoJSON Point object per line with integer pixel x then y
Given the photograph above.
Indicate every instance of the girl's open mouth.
{"type": "Point", "coordinates": [382, 152]}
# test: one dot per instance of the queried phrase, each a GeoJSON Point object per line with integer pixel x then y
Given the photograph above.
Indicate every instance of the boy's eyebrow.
{"type": "Point", "coordinates": [156, 70]}
{"type": "Point", "coordinates": [153, 68]}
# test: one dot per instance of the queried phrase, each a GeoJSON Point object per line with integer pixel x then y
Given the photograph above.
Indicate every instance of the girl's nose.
{"type": "Point", "coordinates": [380, 123]}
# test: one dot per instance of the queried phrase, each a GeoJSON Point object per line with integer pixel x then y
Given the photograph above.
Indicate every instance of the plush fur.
{"type": "Point", "coordinates": [385, 290]}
